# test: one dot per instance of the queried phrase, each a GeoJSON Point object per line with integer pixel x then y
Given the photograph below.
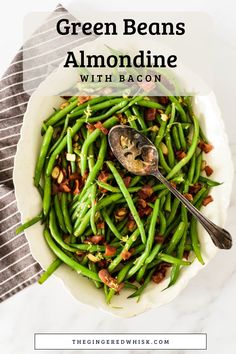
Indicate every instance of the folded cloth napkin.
{"type": "Point", "coordinates": [18, 269]}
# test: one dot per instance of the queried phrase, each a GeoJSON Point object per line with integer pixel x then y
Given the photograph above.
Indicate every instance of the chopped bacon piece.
{"type": "Point", "coordinates": [145, 192]}
{"type": "Point", "coordinates": [208, 170]}
{"type": "Point", "coordinates": [55, 189]}
{"type": "Point", "coordinates": [159, 238]}
{"type": "Point", "coordinates": [64, 187]}
{"type": "Point", "coordinates": [207, 200]}
{"type": "Point", "coordinates": [195, 188]}
{"type": "Point", "coordinates": [103, 176]}
{"type": "Point", "coordinates": [127, 181]}
{"type": "Point", "coordinates": [163, 100]}
{"type": "Point", "coordinates": [160, 273]}
{"type": "Point", "coordinates": [121, 213]}
{"type": "Point", "coordinates": [101, 225]}
{"type": "Point", "coordinates": [121, 118]}
{"type": "Point", "coordinates": [131, 225]}
{"type": "Point", "coordinates": [205, 147]}
{"type": "Point", "coordinates": [102, 263]}
{"type": "Point", "coordinates": [95, 239]}
{"type": "Point", "coordinates": [188, 196]}
{"type": "Point", "coordinates": [90, 127]}
{"type": "Point", "coordinates": [180, 154]}
{"type": "Point", "coordinates": [186, 254]}
{"type": "Point", "coordinates": [150, 114]}
{"type": "Point", "coordinates": [125, 255]}
{"type": "Point", "coordinates": [110, 251]}
{"type": "Point", "coordinates": [76, 188]}
{"type": "Point", "coordinates": [147, 86]}
{"type": "Point", "coordinates": [144, 211]}
{"type": "Point", "coordinates": [158, 277]}
{"type": "Point", "coordinates": [83, 99]}
{"type": "Point", "coordinates": [111, 282]}
{"type": "Point", "coordinates": [101, 127]}
{"type": "Point", "coordinates": [74, 176]}
{"type": "Point", "coordinates": [142, 203]}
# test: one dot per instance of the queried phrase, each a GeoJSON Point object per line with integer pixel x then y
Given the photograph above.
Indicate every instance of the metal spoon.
{"type": "Point", "coordinates": [140, 157]}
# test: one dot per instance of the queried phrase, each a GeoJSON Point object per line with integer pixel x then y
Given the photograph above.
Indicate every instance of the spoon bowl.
{"type": "Point", "coordinates": [140, 157]}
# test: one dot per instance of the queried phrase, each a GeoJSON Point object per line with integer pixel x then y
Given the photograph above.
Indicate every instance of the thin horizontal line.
{"type": "Point", "coordinates": [17, 105]}
{"type": "Point", "coordinates": [18, 115]}
{"type": "Point", "coordinates": [10, 136]}
{"type": "Point", "coordinates": [10, 228]}
{"type": "Point", "coordinates": [21, 271]}
{"type": "Point", "coordinates": [6, 206]}
{"type": "Point", "coordinates": [11, 126]}
{"type": "Point", "coordinates": [5, 195]}
{"type": "Point", "coordinates": [18, 260]}
{"type": "Point", "coordinates": [33, 276]}
{"type": "Point", "coordinates": [13, 251]}
{"type": "Point", "coordinates": [17, 94]}
{"type": "Point", "coordinates": [7, 147]}
{"type": "Point", "coordinates": [11, 240]}
{"type": "Point", "coordinates": [21, 82]}
{"type": "Point", "coordinates": [7, 158]}
{"type": "Point", "coordinates": [6, 169]}
{"type": "Point", "coordinates": [8, 217]}
{"type": "Point", "coordinates": [4, 181]}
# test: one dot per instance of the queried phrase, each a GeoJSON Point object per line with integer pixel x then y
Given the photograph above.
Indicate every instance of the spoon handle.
{"type": "Point", "coordinates": [220, 237]}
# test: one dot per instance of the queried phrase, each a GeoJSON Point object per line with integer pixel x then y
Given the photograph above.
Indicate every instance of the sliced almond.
{"type": "Point", "coordinates": [164, 117]}
{"type": "Point", "coordinates": [55, 172]}
{"type": "Point", "coordinates": [64, 105]}
{"type": "Point", "coordinates": [92, 258]}
{"type": "Point", "coordinates": [70, 157]}
{"type": "Point", "coordinates": [60, 177]}
{"type": "Point", "coordinates": [164, 148]}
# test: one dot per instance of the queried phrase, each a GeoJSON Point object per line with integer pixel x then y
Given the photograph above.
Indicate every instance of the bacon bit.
{"type": "Point", "coordinates": [64, 105]}
{"type": "Point", "coordinates": [103, 176]}
{"type": "Point", "coordinates": [74, 176]}
{"type": "Point", "coordinates": [205, 147]}
{"type": "Point", "coordinates": [110, 251]}
{"type": "Point", "coordinates": [127, 181]}
{"type": "Point", "coordinates": [188, 196]}
{"type": "Point", "coordinates": [195, 188]}
{"type": "Point", "coordinates": [102, 263]}
{"type": "Point", "coordinates": [120, 214]}
{"type": "Point", "coordinates": [121, 118]}
{"type": "Point", "coordinates": [163, 100]}
{"type": "Point", "coordinates": [111, 282]}
{"type": "Point", "coordinates": [90, 127]}
{"type": "Point", "coordinates": [159, 238]}
{"type": "Point", "coordinates": [145, 192]}
{"type": "Point", "coordinates": [173, 184]}
{"type": "Point", "coordinates": [208, 171]}
{"type": "Point", "coordinates": [101, 225]}
{"type": "Point", "coordinates": [207, 200]}
{"type": "Point", "coordinates": [147, 86]}
{"type": "Point", "coordinates": [85, 176]}
{"type": "Point", "coordinates": [83, 99]}
{"type": "Point", "coordinates": [160, 274]}
{"type": "Point", "coordinates": [95, 239]}
{"type": "Point", "coordinates": [64, 188]}
{"type": "Point", "coordinates": [76, 189]}
{"type": "Point", "coordinates": [131, 225]}
{"type": "Point", "coordinates": [101, 127]}
{"type": "Point", "coordinates": [142, 203]}
{"type": "Point", "coordinates": [150, 114]}
{"type": "Point", "coordinates": [125, 255]}
{"type": "Point", "coordinates": [130, 216]}
{"type": "Point", "coordinates": [55, 189]}
{"type": "Point", "coordinates": [144, 211]}
{"type": "Point", "coordinates": [180, 154]}
{"type": "Point", "coordinates": [186, 254]}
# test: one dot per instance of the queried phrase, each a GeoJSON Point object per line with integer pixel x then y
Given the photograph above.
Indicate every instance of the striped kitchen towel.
{"type": "Point", "coordinates": [42, 53]}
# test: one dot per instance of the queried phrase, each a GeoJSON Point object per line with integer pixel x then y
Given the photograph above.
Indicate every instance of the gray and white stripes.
{"type": "Point", "coordinates": [18, 269]}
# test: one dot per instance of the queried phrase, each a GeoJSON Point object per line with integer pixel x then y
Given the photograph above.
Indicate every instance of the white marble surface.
{"type": "Point", "coordinates": [208, 302]}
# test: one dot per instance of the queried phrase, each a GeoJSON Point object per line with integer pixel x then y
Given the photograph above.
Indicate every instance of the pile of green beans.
{"type": "Point", "coordinates": [117, 229]}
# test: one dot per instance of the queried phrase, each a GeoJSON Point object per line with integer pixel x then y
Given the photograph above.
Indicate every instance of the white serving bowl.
{"type": "Point", "coordinates": [29, 204]}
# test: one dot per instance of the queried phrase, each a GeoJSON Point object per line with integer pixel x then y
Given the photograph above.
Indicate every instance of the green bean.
{"type": "Point", "coordinates": [176, 137]}
{"type": "Point", "coordinates": [131, 121]}
{"type": "Point", "coordinates": [163, 162]}
{"type": "Point", "coordinates": [126, 247]}
{"type": "Point", "coordinates": [131, 103]}
{"type": "Point", "coordinates": [140, 261]}
{"type": "Point", "coordinates": [176, 237]}
{"type": "Point", "coordinates": [112, 189]}
{"type": "Point", "coordinates": [195, 241]}
{"type": "Point", "coordinates": [101, 204]}
{"type": "Point", "coordinates": [60, 114]}
{"type": "Point", "coordinates": [81, 108]}
{"type": "Point", "coordinates": [70, 149]}
{"type": "Point", "coordinates": [135, 180]}
{"type": "Point", "coordinates": [190, 152]}
{"type": "Point", "coordinates": [128, 198]}
{"type": "Point", "coordinates": [182, 137]}
{"type": "Point", "coordinates": [90, 139]}
{"type": "Point", "coordinates": [173, 212]}
{"type": "Point", "coordinates": [192, 168]}
{"type": "Point", "coordinates": [47, 195]}
{"type": "Point", "coordinates": [120, 277]}
{"type": "Point", "coordinates": [29, 223]}
{"type": "Point", "coordinates": [88, 247]}
{"type": "Point", "coordinates": [180, 252]}
{"type": "Point", "coordinates": [179, 108]}
{"type": "Point", "coordinates": [168, 202]}
{"type": "Point", "coordinates": [199, 194]}
{"type": "Point", "coordinates": [93, 208]}
{"type": "Point", "coordinates": [143, 287]}
{"type": "Point", "coordinates": [149, 104]}
{"type": "Point", "coordinates": [173, 260]}
{"type": "Point", "coordinates": [140, 119]}
{"type": "Point", "coordinates": [171, 156]}
{"type": "Point", "coordinates": [141, 273]}
{"type": "Point", "coordinates": [61, 146]}
{"type": "Point", "coordinates": [69, 261]}
{"type": "Point", "coordinates": [51, 269]}
{"type": "Point", "coordinates": [110, 224]}
{"type": "Point", "coordinates": [91, 161]}
{"type": "Point", "coordinates": [63, 132]}
{"type": "Point", "coordinates": [154, 253]}
{"type": "Point", "coordinates": [92, 266]}
{"type": "Point", "coordinates": [59, 214]}
{"type": "Point", "coordinates": [84, 207]}
{"type": "Point", "coordinates": [42, 155]}
{"type": "Point", "coordinates": [198, 167]}
{"type": "Point", "coordinates": [162, 223]}
{"type": "Point", "coordinates": [56, 233]}
{"type": "Point", "coordinates": [209, 181]}
{"type": "Point", "coordinates": [65, 212]}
